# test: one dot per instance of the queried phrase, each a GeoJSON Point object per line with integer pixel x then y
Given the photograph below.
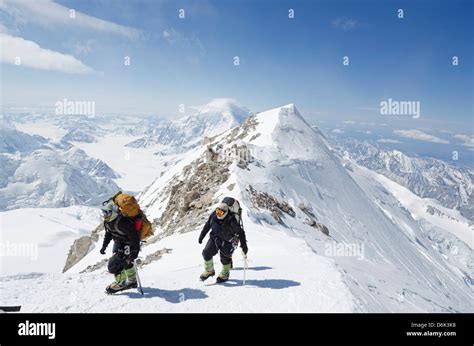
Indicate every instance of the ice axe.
{"type": "Point", "coordinates": [140, 289]}
{"type": "Point", "coordinates": [245, 264]}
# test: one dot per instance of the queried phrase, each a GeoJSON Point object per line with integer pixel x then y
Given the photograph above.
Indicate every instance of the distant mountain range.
{"type": "Point", "coordinates": [453, 187]}
{"type": "Point", "coordinates": [187, 132]}
{"type": "Point", "coordinates": [41, 173]}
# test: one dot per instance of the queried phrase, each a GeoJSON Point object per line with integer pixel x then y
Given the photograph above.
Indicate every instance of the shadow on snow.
{"type": "Point", "coordinates": [276, 284]}
{"type": "Point", "coordinates": [171, 296]}
{"type": "Point", "coordinates": [253, 268]}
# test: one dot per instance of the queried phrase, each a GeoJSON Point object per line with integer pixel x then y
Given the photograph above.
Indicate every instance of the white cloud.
{"type": "Point", "coordinates": [388, 140]}
{"type": "Point", "coordinates": [420, 136]}
{"type": "Point", "coordinates": [345, 23]}
{"type": "Point", "coordinates": [468, 140]}
{"type": "Point", "coordinates": [349, 122]}
{"type": "Point", "coordinates": [32, 55]}
{"type": "Point", "coordinates": [47, 12]}
{"type": "Point", "coordinates": [338, 131]}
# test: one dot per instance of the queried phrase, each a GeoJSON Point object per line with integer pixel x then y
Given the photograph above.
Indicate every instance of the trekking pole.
{"type": "Point", "coordinates": [140, 289]}
{"type": "Point", "coordinates": [245, 265]}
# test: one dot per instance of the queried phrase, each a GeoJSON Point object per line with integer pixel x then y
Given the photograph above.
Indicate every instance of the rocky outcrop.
{"type": "Point", "coordinates": [319, 226]}
{"type": "Point", "coordinates": [155, 256]}
{"type": "Point", "coordinates": [79, 249]}
{"type": "Point", "coordinates": [243, 130]}
{"type": "Point", "coordinates": [192, 195]}
{"type": "Point", "coordinates": [264, 200]}
{"type": "Point", "coordinates": [238, 153]}
{"type": "Point", "coordinates": [148, 259]}
{"type": "Point", "coordinates": [435, 211]}
{"type": "Point", "coordinates": [307, 210]}
{"type": "Point", "coordinates": [242, 155]}
{"type": "Point", "coordinates": [96, 266]}
{"type": "Point", "coordinates": [191, 192]}
{"type": "Point", "coordinates": [312, 220]}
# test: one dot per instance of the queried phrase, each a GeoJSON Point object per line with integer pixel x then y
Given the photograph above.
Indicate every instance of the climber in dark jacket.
{"type": "Point", "coordinates": [226, 232]}
{"type": "Point", "coordinates": [126, 239]}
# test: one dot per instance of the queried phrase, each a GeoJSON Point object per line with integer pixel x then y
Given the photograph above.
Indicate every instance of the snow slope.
{"type": "Point", "coordinates": [136, 167]}
{"type": "Point", "coordinates": [283, 276]}
{"type": "Point", "coordinates": [38, 239]}
{"type": "Point", "coordinates": [449, 220]}
{"type": "Point", "coordinates": [452, 186]}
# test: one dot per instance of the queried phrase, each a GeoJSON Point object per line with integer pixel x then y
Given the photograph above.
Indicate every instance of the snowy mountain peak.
{"type": "Point", "coordinates": [291, 107]}
{"type": "Point", "coordinates": [285, 116]}
{"type": "Point", "coordinates": [224, 106]}
{"type": "Point", "coordinates": [187, 132]}
{"type": "Point", "coordinates": [289, 180]}
{"type": "Point", "coordinates": [286, 129]}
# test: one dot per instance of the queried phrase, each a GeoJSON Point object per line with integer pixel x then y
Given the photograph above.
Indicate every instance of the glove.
{"type": "Point", "coordinates": [245, 249]}
{"type": "Point", "coordinates": [133, 256]}
{"type": "Point", "coordinates": [102, 251]}
{"type": "Point", "coordinates": [129, 259]}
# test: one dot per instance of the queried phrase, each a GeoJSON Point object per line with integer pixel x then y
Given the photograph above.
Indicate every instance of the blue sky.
{"type": "Point", "coordinates": [190, 61]}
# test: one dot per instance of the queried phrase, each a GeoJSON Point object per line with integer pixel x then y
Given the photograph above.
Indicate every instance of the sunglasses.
{"type": "Point", "coordinates": [220, 212]}
{"type": "Point", "coordinates": [109, 212]}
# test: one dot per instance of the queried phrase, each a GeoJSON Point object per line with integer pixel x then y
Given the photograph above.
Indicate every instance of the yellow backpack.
{"type": "Point", "coordinates": [145, 227]}
{"type": "Point", "coordinates": [127, 204]}
{"type": "Point", "coordinates": [128, 207]}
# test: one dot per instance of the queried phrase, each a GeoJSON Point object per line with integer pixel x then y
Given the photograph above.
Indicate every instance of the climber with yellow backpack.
{"type": "Point", "coordinates": [125, 224]}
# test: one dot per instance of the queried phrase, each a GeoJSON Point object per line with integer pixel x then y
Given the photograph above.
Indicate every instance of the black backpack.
{"type": "Point", "coordinates": [234, 209]}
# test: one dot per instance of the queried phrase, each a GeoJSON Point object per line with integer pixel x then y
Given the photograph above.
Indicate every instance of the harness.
{"type": "Point", "coordinates": [220, 245]}
{"type": "Point", "coordinates": [219, 242]}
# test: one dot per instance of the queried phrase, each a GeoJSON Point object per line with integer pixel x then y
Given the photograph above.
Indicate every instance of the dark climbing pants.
{"type": "Point", "coordinates": [215, 245]}
{"type": "Point", "coordinates": [118, 261]}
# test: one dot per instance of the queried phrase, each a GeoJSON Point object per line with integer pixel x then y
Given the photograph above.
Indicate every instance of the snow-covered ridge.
{"type": "Point", "coordinates": [12, 140]}
{"type": "Point", "coordinates": [453, 187]}
{"type": "Point", "coordinates": [184, 133]}
{"type": "Point", "coordinates": [37, 239]}
{"type": "Point", "coordinates": [292, 163]}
